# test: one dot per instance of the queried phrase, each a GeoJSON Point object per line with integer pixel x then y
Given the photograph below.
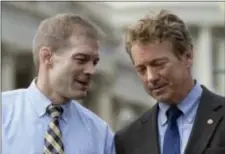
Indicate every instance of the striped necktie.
{"type": "Point", "coordinates": [53, 138]}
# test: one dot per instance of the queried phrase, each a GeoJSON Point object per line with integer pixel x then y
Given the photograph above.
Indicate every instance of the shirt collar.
{"type": "Point", "coordinates": [41, 101]}
{"type": "Point", "coordinates": [190, 102]}
{"type": "Point", "coordinates": [186, 106]}
{"type": "Point", "coordinates": [163, 108]}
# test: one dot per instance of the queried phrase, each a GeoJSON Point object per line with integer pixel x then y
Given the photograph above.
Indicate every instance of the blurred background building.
{"type": "Point", "coordinates": [116, 94]}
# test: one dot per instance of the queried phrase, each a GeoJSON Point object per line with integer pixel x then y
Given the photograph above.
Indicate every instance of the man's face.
{"type": "Point", "coordinates": [161, 72]}
{"type": "Point", "coordinates": [72, 69]}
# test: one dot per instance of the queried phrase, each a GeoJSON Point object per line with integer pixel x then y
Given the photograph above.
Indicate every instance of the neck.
{"type": "Point", "coordinates": [182, 92]}
{"type": "Point", "coordinates": [45, 87]}
{"type": "Point", "coordinates": [185, 89]}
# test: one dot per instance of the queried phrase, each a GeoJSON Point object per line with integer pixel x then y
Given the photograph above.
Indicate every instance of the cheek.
{"type": "Point", "coordinates": [68, 67]}
{"type": "Point", "coordinates": [170, 73]}
{"type": "Point", "coordinates": [167, 71]}
{"type": "Point", "coordinates": [177, 74]}
{"type": "Point", "coordinates": [73, 66]}
{"type": "Point", "coordinates": [62, 71]}
{"type": "Point", "coordinates": [144, 80]}
{"type": "Point", "coordinates": [76, 70]}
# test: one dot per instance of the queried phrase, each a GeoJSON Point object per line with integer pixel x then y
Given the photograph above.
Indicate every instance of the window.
{"type": "Point", "coordinates": [24, 70]}
{"type": "Point", "coordinates": [219, 65]}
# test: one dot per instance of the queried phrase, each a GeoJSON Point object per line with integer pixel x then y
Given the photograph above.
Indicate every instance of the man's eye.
{"type": "Point", "coordinates": [141, 70]}
{"type": "Point", "coordinates": [80, 60]}
{"type": "Point", "coordinates": [95, 62]}
{"type": "Point", "coordinates": [160, 64]}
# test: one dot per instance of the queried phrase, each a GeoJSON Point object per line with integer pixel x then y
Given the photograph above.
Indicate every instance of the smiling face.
{"type": "Point", "coordinates": [163, 74]}
{"type": "Point", "coordinates": [72, 70]}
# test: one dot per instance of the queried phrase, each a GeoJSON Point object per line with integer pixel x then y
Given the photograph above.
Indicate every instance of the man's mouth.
{"type": "Point", "coordinates": [83, 83]}
{"type": "Point", "coordinates": [158, 88]}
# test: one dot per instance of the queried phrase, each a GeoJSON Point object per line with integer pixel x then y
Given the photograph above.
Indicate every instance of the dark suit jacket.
{"type": "Point", "coordinates": [141, 137]}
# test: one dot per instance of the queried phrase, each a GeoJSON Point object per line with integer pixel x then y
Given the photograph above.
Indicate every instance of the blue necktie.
{"type": "Point", "coordinates": [171, 143]}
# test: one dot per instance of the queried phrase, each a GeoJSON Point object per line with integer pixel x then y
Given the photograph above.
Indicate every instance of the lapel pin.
{"type": "Point", "coordinates": [210, 121]}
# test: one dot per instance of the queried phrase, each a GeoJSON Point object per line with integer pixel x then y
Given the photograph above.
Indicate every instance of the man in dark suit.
{"type": "Point", "coordinates": [187, 118]}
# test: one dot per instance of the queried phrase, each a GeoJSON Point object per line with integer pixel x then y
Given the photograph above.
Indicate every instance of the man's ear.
{"type": "Point", "coordinates": [189, 55]}
{"type": "Point", "coordinates": [45, 56]}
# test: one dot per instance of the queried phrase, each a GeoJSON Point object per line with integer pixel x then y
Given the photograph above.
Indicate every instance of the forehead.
{"type": "Point", "coordinates": [84, 45]}
{"type": "Point", "coordinates": [147, 53]}
{"type": "Point", "coordinates": [152, 47]}
{"type": "Point", "coordinates": [151, 50]}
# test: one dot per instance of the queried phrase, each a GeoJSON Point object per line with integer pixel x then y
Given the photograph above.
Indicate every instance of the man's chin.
{"type": "Point", "coordinates": [165, 99]}
{"type": "Point", "coordinates": [80, 95]}
{"type": "Point", "coordinates": [161, 98]}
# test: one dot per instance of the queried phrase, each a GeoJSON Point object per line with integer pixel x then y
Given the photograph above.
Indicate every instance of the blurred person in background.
{"type": "Point", "coordinates": [45, 118]}
{"type": "Point", "coordinates": [187, 118]}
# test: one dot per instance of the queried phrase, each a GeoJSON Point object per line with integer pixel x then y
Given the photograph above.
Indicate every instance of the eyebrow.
{"type": "Point", "coordinates": [85, 55]}
{"type": "Point", "coordinates": [159, 60]}
{"type": "Point", "coordinates": [154, 61]}
{"type": "Point", "coordinates": [80, 54]}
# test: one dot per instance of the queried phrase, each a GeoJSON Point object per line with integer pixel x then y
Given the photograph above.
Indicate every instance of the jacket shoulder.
{"type": "Point", "coordinates": [137, 123]}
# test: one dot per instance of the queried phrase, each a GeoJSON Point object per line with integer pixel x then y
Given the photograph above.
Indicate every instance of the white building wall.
{"type": "Point", "coordinates": [18, 29]}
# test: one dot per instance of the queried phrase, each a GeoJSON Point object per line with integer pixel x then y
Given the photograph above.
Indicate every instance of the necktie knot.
{"type": "Point", "coordinates": [54, 111]}
{"type": "Point", "coordinates": [173, 113]}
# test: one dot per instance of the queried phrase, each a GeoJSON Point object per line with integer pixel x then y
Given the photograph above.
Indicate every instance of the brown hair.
{"type": "Point", "coordinates": [163, 27]}
{"type": "Point", "coordinates": [55, 32]}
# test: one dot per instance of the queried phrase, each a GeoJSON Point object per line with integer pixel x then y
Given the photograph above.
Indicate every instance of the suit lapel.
{"type": "Point", "coordinates": [148, 133]}
{"type": "Point", "coordinates": [207, 118]}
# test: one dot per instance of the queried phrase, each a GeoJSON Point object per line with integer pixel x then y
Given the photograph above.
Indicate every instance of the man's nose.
{"type": "Point", "coordinates": [90, 69]}
{"type": "Point", "coordinates": [152, 75]}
